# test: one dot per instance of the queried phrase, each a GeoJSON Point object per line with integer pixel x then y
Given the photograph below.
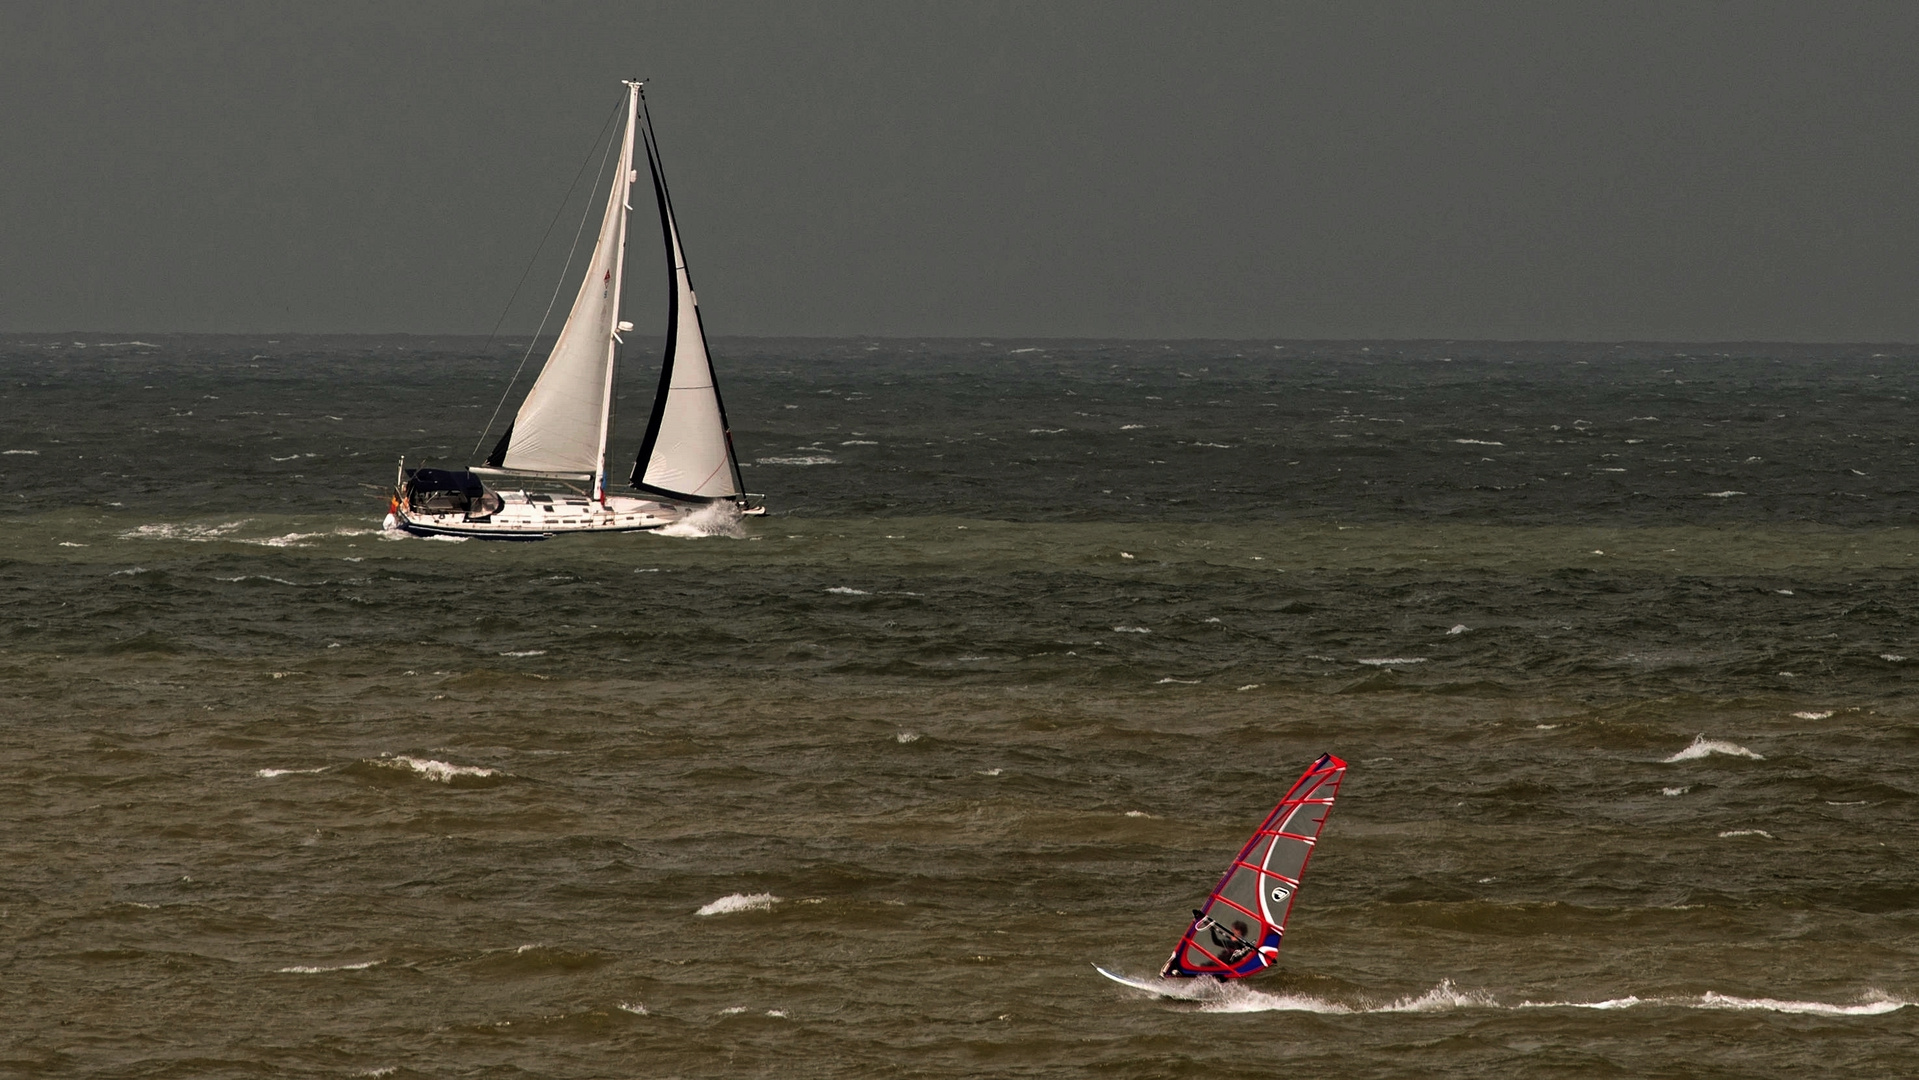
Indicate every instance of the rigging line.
{"type": "Point", "coordinates": [529, 269]}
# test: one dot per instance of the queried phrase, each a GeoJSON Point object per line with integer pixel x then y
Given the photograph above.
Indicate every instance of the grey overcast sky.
{"type": "Point", "coordinates": [1667, 170]}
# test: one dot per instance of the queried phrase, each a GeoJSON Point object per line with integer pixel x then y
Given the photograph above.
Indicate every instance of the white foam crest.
{"type": "Point", "coordinates": [1674, 792]}
{"type": "Point", "coordinates": [728, 905]}
{"type": "Point", "coordinates": [1747, 832]}
{"type": "Point", "coordinates": [268, 774]}
{"type": "Point", "coordinates": [804, 459]}
{"type": "Point", "coordinates": [129, 571]}
{"type": "Point", "coordinates": [303, 969]}
{"type": "Point", "coordinates": [438, 771]}
{"type": "Point", "coordinates": [907, 737]}
{"type": "Point", "coordinates": [289, 540]}
{"type": "Point", "coordinates": [1131, 630]}
{"type": "Point", "coordinates": [844, 590]}
{"type": "Point", "coordinates": [1812, 715]}
{"type": "Point", "coordinates": [170, 531]}
{"type": "Point", "coordinates": [1391, 661]}
{"type": "Point", "coordinates": [1702, 746]}
{"type": "Point", "coordinates": [1237, 998]}
{"type": "Point", "coordinates": [525, 652]}
{"type": "Point", "coordinates": [1722, 494]}
{"type": "Point", "coordinates": [713, 519]}
{"type": "Point", "coordinates": [1477, 442]}
{"type": "Point", "coordinates": [1877, 1003]}
{"type": "Point", "coordinates": [30, 453]}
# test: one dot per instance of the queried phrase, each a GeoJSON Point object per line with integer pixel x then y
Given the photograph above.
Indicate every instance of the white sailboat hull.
{"type": "Point", "coordinates": [535, 517]}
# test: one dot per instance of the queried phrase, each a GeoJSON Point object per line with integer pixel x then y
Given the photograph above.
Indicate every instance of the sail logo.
{"type": "Point", "coordinates": [1280, 894]}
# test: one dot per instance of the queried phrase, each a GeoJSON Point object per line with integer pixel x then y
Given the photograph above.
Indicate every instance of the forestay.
{"type": "Point", "coordinates": [687, 453]}
{"type": "Point", "coordinates": [1237, 933]}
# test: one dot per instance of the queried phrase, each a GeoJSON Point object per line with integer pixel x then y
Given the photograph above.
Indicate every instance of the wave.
{"type": "Point", "coordinates": [302, 969]}
{"type": "Point", "coordinates": [437, 771]}
{"type": "Point", "coordinates": [1447, 997]}
{"type": "Point", "coordinates": [170, 531]}
{"type": "Point", "coordinates": [1391, 661]}
{"type": "Point", "coordinates": [713, 519]}
{"type": "Point", "coordinates": [268, 774]}
{"type": "Point", "coordinates": [1702, 746]}
{"type": "Point", "coordinates": [800, 460]}
{"type": "Point", "coordinates": [727, 905]}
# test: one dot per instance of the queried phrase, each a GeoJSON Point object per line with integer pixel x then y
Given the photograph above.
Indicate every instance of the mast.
{"type": "Point", "coordinates": [627, 175]}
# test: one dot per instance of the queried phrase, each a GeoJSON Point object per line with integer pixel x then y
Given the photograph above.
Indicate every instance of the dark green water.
{"type": "Point", "coordinates": [990, 698]}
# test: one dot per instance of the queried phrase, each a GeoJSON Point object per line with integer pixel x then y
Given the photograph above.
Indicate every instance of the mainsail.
{"type": "Point", "coordinates": [688, 450]}
{"type": "Point", "coordinates": [1237, 932]}
{"type": "Point", "coordinates": [560, 430]}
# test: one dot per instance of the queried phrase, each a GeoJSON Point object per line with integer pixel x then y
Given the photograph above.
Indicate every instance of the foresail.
{"type": "Point", "coordinates": [687, 451]}
{"type": "Point", "coordinates": [1238, 931]}
{"type": "Point", "coordinates": [560, 428]}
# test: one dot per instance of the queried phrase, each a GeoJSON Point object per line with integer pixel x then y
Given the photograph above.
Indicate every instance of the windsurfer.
{"type": "Point", "coordinates": [1232, 943]}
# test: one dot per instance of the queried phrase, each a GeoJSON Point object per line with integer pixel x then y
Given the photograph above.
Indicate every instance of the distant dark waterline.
{"type": "Point", "coordinates": [1616, 638]}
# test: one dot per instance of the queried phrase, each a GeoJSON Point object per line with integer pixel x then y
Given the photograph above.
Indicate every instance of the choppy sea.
{"type": "Point", "coordinates": [1618, 640]}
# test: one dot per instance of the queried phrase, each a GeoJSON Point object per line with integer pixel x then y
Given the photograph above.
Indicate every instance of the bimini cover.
{"type": "Point", "coordinates": [1237, 933]}
{"type": "Point", "coordinates": [428, 481]}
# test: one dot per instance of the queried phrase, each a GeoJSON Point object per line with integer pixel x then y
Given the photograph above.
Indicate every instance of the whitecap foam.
{"type": "Point", "coordinates": [713, 519]}
{"type": "Point", "coordinates": [1131, 630]}
{"type": "Point", "coordinates": [30, 453]}
{"type": "Point", "coordinates": [1722, 494]}
{"type": "Point", "coordinates": [1877, 1003]}
{"type": "Point", "coordinates": [1675, 791]}
{"type": "Point", "coordinates": [1891, 658]}
{"type": "Point", "coordinates": [1702, 746]}
{"type": "Point", "coordinates": [1132, 427]}
{"type": "Point", "coordinates": [736, 902]}
{"type": "Point", "coordinates": [1240, 998]}
{"type": "Point", "coordinates": [804, 459]}
{"type": "Point", "coordinates": [169, 531]}
{"type": "Point", "coordinates": [302, 969]}
{"type": "Point", "coordinates": [438, 771]}
{"type": "Point", "coordinates": [1747, 832]}
{"type": "Point", "coordinates": [907, 737]}
{"type": "Point", "coordinates": [289, 540]}
{"type": "Point", "coordinates": [525, 652]}
{"type": "Point", "coordinates": [1477, 442]}
{"type": "Point", "coordinates": [634, 1007]}
{"type": "Point", "coordinates": [1391, 661]}
{"type": "Point", "coordinates": [268, 774]}
{"type": "Point", "coordinates": [1812, 715]}
{"type": "Point", "coordinates": [844, 590]}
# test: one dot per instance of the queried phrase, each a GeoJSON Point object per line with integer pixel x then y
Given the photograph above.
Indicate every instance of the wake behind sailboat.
{"type": "Point", "coordinates": [1237, 931]}
{"type": "Point", "coordinates": [557, 441]}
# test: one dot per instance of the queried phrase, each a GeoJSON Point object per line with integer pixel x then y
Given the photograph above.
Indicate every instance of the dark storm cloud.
{"type": "Point", "coordinates": [1474, 170]}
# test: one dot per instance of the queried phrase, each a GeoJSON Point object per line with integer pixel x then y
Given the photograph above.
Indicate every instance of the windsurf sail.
{"type": "Point", "coordinates": [1237, 932]}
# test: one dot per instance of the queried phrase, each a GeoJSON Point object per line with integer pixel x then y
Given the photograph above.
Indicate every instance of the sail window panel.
{"type": "Point", "coordinates": [1242, 888]}
{"type": "Point", "coordinates": [1288, 858]}
{"type": "Point", "coordinates": [1305, 819]}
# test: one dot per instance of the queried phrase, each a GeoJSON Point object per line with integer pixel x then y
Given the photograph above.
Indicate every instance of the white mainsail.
{"type": "Point", "coordinates": [688, 449]}
{"type": "Point", "coordinates": [560, 430]}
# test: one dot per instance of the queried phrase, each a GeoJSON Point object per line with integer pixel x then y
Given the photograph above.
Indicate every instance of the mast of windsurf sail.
{"type": "Point", "coordinates": [560, 430]}
{"type": "Point", "coordinates": [687, 452]}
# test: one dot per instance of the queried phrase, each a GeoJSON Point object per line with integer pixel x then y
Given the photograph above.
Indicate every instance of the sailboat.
{"type": "Point", "coordinates": [1237, 931]}
{"type": "Point", "coordinates": [547, 475]}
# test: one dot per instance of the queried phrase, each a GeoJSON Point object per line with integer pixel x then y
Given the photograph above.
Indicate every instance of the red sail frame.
{"type": "Point", "coordinates": [1238, 932]}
